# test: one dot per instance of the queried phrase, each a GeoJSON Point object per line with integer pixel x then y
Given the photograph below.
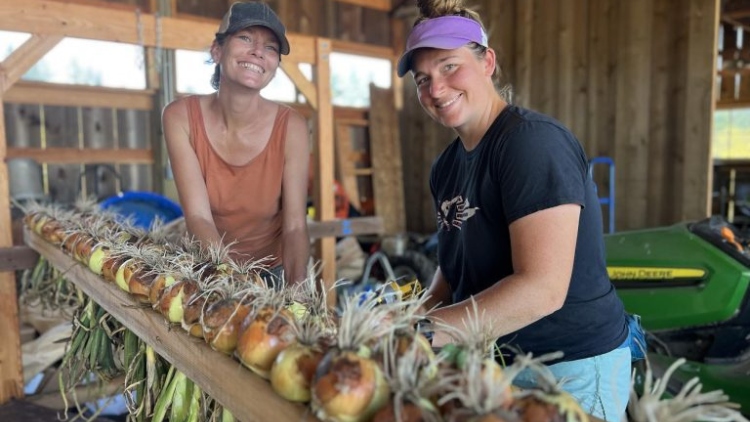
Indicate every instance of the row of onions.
{"type": "Point", "coordinates": [364, 361]}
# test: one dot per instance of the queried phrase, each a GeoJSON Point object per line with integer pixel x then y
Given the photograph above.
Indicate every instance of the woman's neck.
{"type": "Point", "coordinates": [238, 109]}
{"type": "Point", "coordinates": [473, 132]}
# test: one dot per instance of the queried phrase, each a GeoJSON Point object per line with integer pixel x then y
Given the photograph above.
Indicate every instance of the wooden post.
{"type": "Point", "coordinates": [11, 369]}
{"type": "Point", "coordinates": [11, 372]}
{"type": "Point", "coordinates": [324, 159]}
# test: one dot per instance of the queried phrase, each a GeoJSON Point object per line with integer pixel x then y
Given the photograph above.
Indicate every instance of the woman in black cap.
{"type": "Point", "coordinates": [519, 223]}
{"type": "Point", "coordinates": [240, 161]}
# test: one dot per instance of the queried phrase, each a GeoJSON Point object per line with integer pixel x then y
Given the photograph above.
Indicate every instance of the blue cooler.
{"type": "Point", "coordinates": [143, 207]}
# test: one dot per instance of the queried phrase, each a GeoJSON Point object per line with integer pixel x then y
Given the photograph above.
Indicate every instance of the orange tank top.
{"type": "Point", "coordinates": [245, 200]}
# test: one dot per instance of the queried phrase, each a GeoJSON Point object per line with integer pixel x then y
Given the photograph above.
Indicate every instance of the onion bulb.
{"type": "Point", "coordinates": [293, 371]}
{"type": "Point", "coordinates": [264, 334]}
{"type": "Point", "coordinates": [348, 387]}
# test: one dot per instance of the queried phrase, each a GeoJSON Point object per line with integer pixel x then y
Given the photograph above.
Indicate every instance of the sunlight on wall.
{"type": "Point", "coordinates": [731, 134]}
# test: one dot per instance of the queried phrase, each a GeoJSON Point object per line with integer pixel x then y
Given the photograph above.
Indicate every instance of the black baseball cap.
{"type": "Point", "coordinates": [245, 14]}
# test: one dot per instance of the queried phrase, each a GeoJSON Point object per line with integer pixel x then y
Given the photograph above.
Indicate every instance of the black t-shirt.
{"type": "Point", "coordinates": [526, 162]}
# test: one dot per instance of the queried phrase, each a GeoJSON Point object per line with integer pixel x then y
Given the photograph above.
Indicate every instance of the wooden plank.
{"type": "Point", "coordinates": [699, 103]}
{"type": "Point", "coordinates": [78, 96]}
{"type": "Point", "coordinates": [565, 44]}
{"type": "Point", "coordinates": [24, 57]}
{"type": "Point", "coordinates": [545, 65]}
{"type": "Point", "coordinates": [362, 49]}
{"type": "Point", "coordinates": [599, 114]}
{"type": "Point", "coordinates": [11, 369]}
{"type": "Point", "coordinates": [345, 227]}
{"type": "Point", "coordinates": [384, 5]}
{"type": "Point", "coordinates": [324, 158]}
{"type": "Point", "coordinates": [523, 58]}
{"type": "Point", "coordinates": [660, 132]}
{"type": "Point", "coordinates": [385, 151]}
{"type": "Point", "coordinates": [632, 118]}
{"type": "Point", "coordinates": [246, 395]}
{"type": "Point", "coordinates": [113, 24]}
{"type": "Point", "coordinates": [17, 258]}
{"type": "Point", "coordinates": [344, 165]}
{"type": "Point", "coordinates": [304, 85]}
{"type": "Point", "coordinates": [83, 156]}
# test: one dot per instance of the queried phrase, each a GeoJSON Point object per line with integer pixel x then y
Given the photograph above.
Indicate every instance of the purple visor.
{"type": "Point", "coordinates": [445, 33]}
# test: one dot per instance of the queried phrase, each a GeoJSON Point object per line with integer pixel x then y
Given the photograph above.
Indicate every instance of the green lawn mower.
{"type": "Point", "coordinates": [690, 284]}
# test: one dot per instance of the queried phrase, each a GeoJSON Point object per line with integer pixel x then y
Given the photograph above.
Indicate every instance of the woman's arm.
{"type": "Point", "coordinates": [187, 174]}
{"type": "Point", "coordinates": [295, 240]}
{"type": "Point", "coordinates": [439, 291]}
{"type": "Point", "coordinates": [543, 246]}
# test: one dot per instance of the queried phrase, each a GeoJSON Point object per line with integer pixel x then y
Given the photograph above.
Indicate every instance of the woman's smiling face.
{"type": "Point", "coordinates": [448, 83]}
{"type": "Point", "coordinates": [249, 57]}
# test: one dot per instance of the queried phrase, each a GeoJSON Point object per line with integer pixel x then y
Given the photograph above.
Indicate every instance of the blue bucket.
{"type": "Point", "coordinates": [143, 207]}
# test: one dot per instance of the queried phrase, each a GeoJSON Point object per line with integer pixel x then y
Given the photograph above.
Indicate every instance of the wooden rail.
{"type": "Point", "coordinates": [246, 395]}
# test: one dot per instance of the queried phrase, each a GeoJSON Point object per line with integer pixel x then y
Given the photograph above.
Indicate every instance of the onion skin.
{"type": "Point", "coordinates": [221, 324]}
{"type": "Point", "coordinates": [157, 287]}
{"type": "Point", "coordinates": [139, 282]}
{"type": "Point", "coordinates": [51, 230]}
{"type": "Point", "coordinates": [123, 275]}
{"type": "Point", "coordinates": [549, 407]}
{"type": "Point", "coordinates": [263, 336]}
{"type": "Point", "coordinates": [174, 297]}
{"type": "Point", "coordinates": [96, 261]}
{"type": "Point", "coordinates": [293, 370]}
{"type": "Point", "coordinates": [348, 388]}
{"type": "Point", "coordinates": [191, 316]}
{"type": "Point", "coordinates": [110, 266]}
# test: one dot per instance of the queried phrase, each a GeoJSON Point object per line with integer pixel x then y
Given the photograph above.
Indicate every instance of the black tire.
{"type": "Point", "coordinates": [412, 265]}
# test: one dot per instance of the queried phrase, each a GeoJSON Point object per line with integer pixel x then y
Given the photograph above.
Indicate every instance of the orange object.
{"type": "Point", "coordinates": [728, 235]}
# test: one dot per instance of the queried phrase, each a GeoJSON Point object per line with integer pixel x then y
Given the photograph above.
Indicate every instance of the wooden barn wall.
{"type": "Point", "coordinates": [634, 80]}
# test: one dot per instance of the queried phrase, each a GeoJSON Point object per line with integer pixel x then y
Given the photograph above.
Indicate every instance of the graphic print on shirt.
{"type": "Point", "coordinates": [454, 212]}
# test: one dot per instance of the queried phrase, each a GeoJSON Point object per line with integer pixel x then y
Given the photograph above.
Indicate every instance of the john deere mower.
{"type": "Point", "coordinates": [690, 284]}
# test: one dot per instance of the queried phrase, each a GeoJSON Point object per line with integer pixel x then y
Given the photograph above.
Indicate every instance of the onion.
{"type": "Point", "coordinates": [293, 370]}
{"type": "Point", "coordinates": [139, 281]}
{"type": "Point", "coordinates": [123, 274]}
{"type": "Point", "coordinates": [264, 335]}
{"type": "Point", "coordinates": [111, 265]}
{"type": "Point", "coordinates": [99, 254]}
{"type": "Point", "coordinates": [171, 303]}
{"type": "Point", "coordinates": [221, 323]}
{"type": "Point", "coordinates": [161, 281]}
{"type": "Point", "coordinates": [348, 387]}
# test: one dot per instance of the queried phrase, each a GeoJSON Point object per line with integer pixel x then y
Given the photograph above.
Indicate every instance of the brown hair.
{"type": "Point", "coordinates": [429, 9]}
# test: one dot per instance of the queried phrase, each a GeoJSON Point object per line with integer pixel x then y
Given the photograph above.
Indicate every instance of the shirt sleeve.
{"type": "Point", "coordinates": [539, 166]}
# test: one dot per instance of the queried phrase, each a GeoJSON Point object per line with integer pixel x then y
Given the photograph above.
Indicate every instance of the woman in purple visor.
{"type": "Point", "coordinates": [519, 222]}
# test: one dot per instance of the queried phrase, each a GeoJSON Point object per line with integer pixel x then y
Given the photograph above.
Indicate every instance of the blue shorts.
{"type": "Point", "coordinates": [601, 384]}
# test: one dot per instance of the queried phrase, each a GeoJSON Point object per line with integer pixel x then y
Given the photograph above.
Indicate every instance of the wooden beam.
{"type": "Point", "coordinates": [345, 227]}
{"type": "Point", "coordinates": [387, 175]}
{"type": "Point", "coordinates": [11, 369]}
{"type": "Point", "coordinates": [17, 258]}
{"type": "Point", "coordinates": [362, 49]}
{"type": "Point", "coordinates": [24, 57]}
{"type": "Point", "coordinates": [248, 396]}
{"type": "Point", "coordinates": [344, 165]}
{"type": "Point", "coordinates": [694, 199]}
{"type": "Point", "coordinates": [304, 85]}
{"type": "Point", "coordinates": [323, 160]}
{"type": "Point", "coordinates": [384, 5]}
{"type": "Point", "coordinates": [83, 156]}
{"type": "Point", "coordinates": [78, 96]}
{"type": "Point", "coordinates": [115, 24]}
